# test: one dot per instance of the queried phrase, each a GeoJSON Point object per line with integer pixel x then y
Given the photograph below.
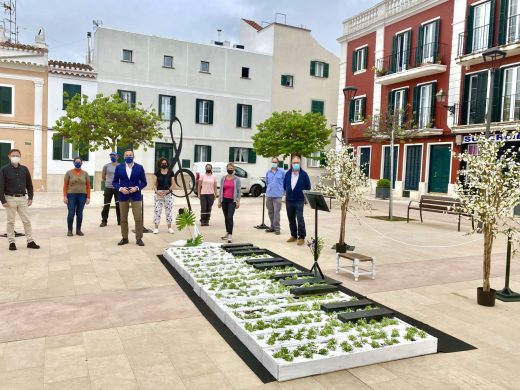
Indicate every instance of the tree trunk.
{"type": "Point", "coordinates": [344, 208]}
{"type": "Point", "coordinates": [488, 246]}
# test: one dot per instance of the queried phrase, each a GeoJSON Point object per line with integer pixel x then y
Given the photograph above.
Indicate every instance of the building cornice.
{"type": "Point", "coordinates": [74, 69]}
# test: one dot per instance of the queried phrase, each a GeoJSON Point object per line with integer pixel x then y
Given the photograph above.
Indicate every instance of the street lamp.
{"type": "Point", "coordinates": [349, 92]}
{"type": "Point", "coordinates": [441, 98]}
{"type": "Point", "coordinates": [493, 60]}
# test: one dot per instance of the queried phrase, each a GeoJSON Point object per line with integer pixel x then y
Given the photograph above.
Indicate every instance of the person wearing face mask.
{"type": "Point", "coordinates": [207, 192]}
{"type": "Point", "coordinates": [296, 181]}
{"type": "Point", "coordinates": [76, 193]}
{"type": "Point", "coordinates": [15, 185]}
{"type": "Point", "coordinates": [129, 180]}
{"type": "Point", "coordinates": [163, 186]}
{"type": "Point", "coordinates": [107, 175]}
{"type": "Point", "coordinates": [229, 199]}
{"type": "Point", "coordinates": [274, 191]}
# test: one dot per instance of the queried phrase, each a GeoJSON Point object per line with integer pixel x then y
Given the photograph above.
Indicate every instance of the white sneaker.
{"type": "Point", "coordinates": [225, 237]}
{"type": "Point", "coordinates": [170, 230]}
{"type": "Point", "coordinates": [229, 239]}
{"type": "Point", "coordinates": [155, 231]}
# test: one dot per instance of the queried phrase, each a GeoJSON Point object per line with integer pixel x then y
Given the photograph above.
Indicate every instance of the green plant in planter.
{"type": "Point", "coordinates": [186, 219]}
{"type": "Point", "coordinates": [384, 183]}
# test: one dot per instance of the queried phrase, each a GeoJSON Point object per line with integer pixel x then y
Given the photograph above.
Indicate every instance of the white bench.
{"type": "Point", "coordinates": [354, 268]}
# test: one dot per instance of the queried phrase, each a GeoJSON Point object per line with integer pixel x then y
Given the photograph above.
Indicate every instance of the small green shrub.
{"type": "Point", "coordinates": [383, 183]}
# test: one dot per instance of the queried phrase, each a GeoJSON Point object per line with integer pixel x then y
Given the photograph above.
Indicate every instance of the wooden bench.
{"type": "Point", "coordinates": [437, 204]}
{"type": "Point", "coordinates": [354, 269]}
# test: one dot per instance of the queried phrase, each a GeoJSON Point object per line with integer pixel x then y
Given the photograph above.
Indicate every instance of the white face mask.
{"type": "Point", "coordinates": [15, 159]}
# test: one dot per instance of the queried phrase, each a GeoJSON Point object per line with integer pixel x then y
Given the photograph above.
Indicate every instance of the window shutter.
{"type": "Point", "coordinates": [313, 105]}
{"type": "Point", "coordinates": [196, 154]}
{"type": "Point", "coordinates": [405, 103]}
{"type": "Point", "coordinates": [208, 148]}
{"type": "Point", "coordinates": [323, 160]}
{"type": "Point", "coordinates": [463, 120]}
{"type": "Point", "coordinates": [393, 62]}
{"type": "Point", "coordinates": [420, 44]}
{"type": "Point", "coordinates": [173, 104]}
{"type": "Point", "coordinates": [351, 112]}
{"type": "Point", "coordinates": [415, 105]}
{"type": "Point", "coordinates": [390, 108]}
{"type": "Point", "coordinates": [436, 53]}
{"type": "Point", "coordinates": [365, 58]}
{"type": "Point", "coordinates": [491, 24]}
{"type": "Point", "coordinates": [249, 116]}
{"type": "Point", "coordinates": [354, 61]}
{"type": "Point", "coordinates": [239, 115]}
{"type": "Point", "coordinates": [6, 100]}
{"type": "Point", "coordinates": [133, 98]}
{"type": "Point", "coordinates": [325, 70]}
{"type": "Point", "coordinates": [469, 30]}
{"type": "Point", "coordinates": [409, 48]}
{"type": "Point", "coordinates": [210, 120]}
{"type": "Point", "coordinates": [364, 108]}
{"type": "Point", "coordinates": [231, 155]}
{"type": "Point", "coordinates": [71, 90]}
{"type": "Point", "coordinates": [284, 80]}
{"type": "Point", "coordinates": [321, 107]}
{"type": "Point", "coordinates": [482, 85]}
{"type": "Point", "coordinates": [251, 158]}
{"type": "Point", "coordinates": [313, 68]}
{"type": "Point", "coordinates": [497, 95]}
{"type": "Point", "coordinates": [197, 110]}
{"type": "Point", "coordinates": [432, 104]}
{"type": "Point", "coordinates": [57, 147]}
{"type": "Point", "coordinates": [502, 22]}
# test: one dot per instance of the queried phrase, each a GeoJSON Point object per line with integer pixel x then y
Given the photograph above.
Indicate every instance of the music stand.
{"type": "Point", "coordinates": [262, 225]}
{"type": "Point", "coordinates": [317, 202]}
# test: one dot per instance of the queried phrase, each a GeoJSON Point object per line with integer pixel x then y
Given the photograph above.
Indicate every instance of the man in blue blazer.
{"type": "Point", "coordinates": [295, 182]}
{"type": "Point", "coordinates": [129, 180]}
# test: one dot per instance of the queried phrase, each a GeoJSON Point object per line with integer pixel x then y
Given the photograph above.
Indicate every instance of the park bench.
{"type": "Point", "coordinates": [437, 204]}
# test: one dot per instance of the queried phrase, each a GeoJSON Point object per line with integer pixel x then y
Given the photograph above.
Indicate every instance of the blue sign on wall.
{"type": "Point", "coordinates": [472, 138]}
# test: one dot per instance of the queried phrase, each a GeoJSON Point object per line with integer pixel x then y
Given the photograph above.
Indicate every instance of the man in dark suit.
{"type": "Point", "coordinates": [129, 180]}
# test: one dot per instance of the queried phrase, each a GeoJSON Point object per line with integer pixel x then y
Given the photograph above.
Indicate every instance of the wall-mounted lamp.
{"type": "Point", "coordinates": [442, 98]}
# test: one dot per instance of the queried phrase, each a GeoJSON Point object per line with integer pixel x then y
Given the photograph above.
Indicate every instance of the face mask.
{"type": "Point", "coordinates": [208, 170]}
{"type": "Point", "coordinates": [15, 160]}
{"type": "Point", "coordinates": [274, 165]}
{"type": "Point", "coordinates": [296, 167]}
{"type": "Point", "coordinates": [164, 165]}
{"type": "Point", "coordinates": [230, 171]}
{"type": "Point", "coordinates": [129, 159]}
{"type": "Point", "coordinates": [113, 159]}
{"type": "Point", "coordinates": [77, 165]}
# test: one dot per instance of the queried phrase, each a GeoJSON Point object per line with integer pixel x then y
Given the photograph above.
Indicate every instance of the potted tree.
{"type": "Point", "coordinates": [383, 189]}
{"type": "Point", "coordinates": [489, 189]}
{"type": "Point", "coordinates": [345, 181]}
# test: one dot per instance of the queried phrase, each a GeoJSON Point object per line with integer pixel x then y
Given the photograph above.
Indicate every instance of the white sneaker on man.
{"type": "Point", "coordinates": [225, 237]}
{"type": "Point", "coordinates": [155, 231]}
{"type": "Point", "coordinates": [229, 240]}
{"type": "Point", "coordinates": [170, 230]}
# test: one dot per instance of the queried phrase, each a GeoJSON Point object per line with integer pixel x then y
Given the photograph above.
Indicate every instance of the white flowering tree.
{"type": "Point", "coordinates": [489, 188]}
{"type": "Point", "coordinates": [344, 180]}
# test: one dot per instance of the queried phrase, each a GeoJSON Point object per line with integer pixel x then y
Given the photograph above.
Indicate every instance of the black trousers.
{"type": "Point", "coordinates": [206, 203]}
{"type": "Point", "coordinates": [109, 192]}
{"type": "Point", "coordinates": [295, 216]}
{"type": "Point", "coordinates": [228, 207]}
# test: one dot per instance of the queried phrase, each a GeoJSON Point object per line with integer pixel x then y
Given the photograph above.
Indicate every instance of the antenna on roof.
{"type": "Point", "coordinates": [10, 26]}
{"type": "Point", "coordinates": [96, 23]}
{"type": "Point", "coordinates": [218, 34]}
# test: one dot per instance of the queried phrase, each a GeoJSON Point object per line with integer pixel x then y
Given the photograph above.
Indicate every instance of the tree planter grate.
{"type": "Point", "coordinates": [299, 282]}
{"type": "Point", "coordinates": [284, 263]}
{"type": "Point", "coordinates": [314, 290]}
{"type": "Point", "coordinates": [376, 314]}
{"type": "Point", "coordinates": [267, 260]}
{"type": "Point", "coordinates": [338, 306]}
{"type": "Point", "coordinates": [291, 274]}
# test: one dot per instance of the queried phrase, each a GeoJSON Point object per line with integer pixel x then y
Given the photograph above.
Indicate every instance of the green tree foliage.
{"type": "Point", "coordinates": [106, 122]}
{"type": "Point", "coordinates": [291, 132]}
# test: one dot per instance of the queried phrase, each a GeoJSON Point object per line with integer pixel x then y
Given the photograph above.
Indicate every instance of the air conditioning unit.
{"type": "Point", "coordinates": [218, 43]}
{"type": "Point", "coordinates": [239, 47]}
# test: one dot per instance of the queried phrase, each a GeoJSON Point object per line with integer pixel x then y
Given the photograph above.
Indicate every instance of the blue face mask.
{"type": "Point", "coordinates": [274, 165]}
{"type": "Point", "coordinates": [113, 159]}
{"type": "Point", "coordinates": [296, 167]}
{"type": "Point", "coordinates": [77, 165]}
{"type": "Point", "coordinates": [129, 160]}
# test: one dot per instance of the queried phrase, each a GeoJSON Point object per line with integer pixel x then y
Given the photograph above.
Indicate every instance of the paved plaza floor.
{"type": "Point", "coordinates": [84, 313]}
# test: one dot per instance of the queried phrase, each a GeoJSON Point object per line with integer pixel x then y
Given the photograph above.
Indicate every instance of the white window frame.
{"type": "Point", "coordinates": [171, 66]}
{"type": "Point", "coordinates": [515, 26]}
{"type": "Point", "coordinates": [359, 157]}
{"type": "Point", "coordinates": [313, 162]}
{"type": "Point", "coordinates": [244, 116]}
{"type": "Point", "coordinates": [473, 76]}
{"type": "Point", "coordinates": [203, 152]}
{"type": "Point", "coordinates": [203, 66]}
{"type": "Point", "coordinates": [358, 112]}
{"type": "Point", "coordinates": [484, 42]}
{"type": "Point", "coordinates": [126, 51]}
{"type": "Point", "coordinates": [515, 91]}
{"type": "Point", "coordinates": [424, 114]}
{"type": "Point", "coordinates": [382, 169]}
{"type": "Point", "coordinates": [13, 105]}
{"type": "Point", "coordinates": [168, 106]}
{"type": "Point", "coordinates": [429, 34]}
{"type": "Point", "coordinates": [290, 79]}
{"type": "Point", "coordinates": [399, 104]}
{"type": "Point", "coordinates": [360, 59]}
{"type": "Point", "coordinates": [319, 69]}
{"type": "Point", "coordinates": [241, 155]}
{"type": "Point", "coordinates": [405, 158]}
{"type": "Point", "coordinates": [401, 50]}
{"type": "Point", "coordinates": [71, 153]}
{"type": "Point", "coordinates": [126, 96]}
{"type": "Point", "coordinates": [204, 111]}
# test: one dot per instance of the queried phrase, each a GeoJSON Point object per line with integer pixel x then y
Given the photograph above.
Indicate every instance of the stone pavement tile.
{"type": "Point", "coordinates": [234, 369]}
{"type": "Point", "coordinates": [395, 384]}
{"type": "Point", "coordinates": [65, 363]}
{"type": "Point", "coordinates": [103, 342]}
{"type": "Point", "coordinates": [64, 340]}
{"type": "Point", "coordinates": [339, 380]}
{"type": "Point", "coordinates": [134, 279]}
{"type": "Point", "coordinates": [190, 365]}
{"type": "Point", "coordinates": [372, 374]}
{"type": "Point", "coordinates": [308, 383]}
{"type": "Point", "coordinates": [148, 343]}
{"type": "Point", "coordinates": [113, 382]}
{"type": "Point", "coordinates": [113, 371]}
{"type": "Point", "coordinates": [82, 383]}
{"type": "Point", "coordinates": [210, 339]}
{"type": "Point", "coordinates": [83, 289]}
{"type": "Point", "coordinates": [157, 377]}
{"type": "Point", "coordinates": [24, 379]}
{"type": "Point", "coordinates": [27, 295]}
{"type": "Point", "coordinates": [139, 330]}
{"type": "Point", "coordinates": [210, 381]}
{"type": "Point", "coordinates": [23, 354]}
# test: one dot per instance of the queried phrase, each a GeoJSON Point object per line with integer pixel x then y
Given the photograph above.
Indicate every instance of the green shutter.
{"type": "Point", "coordinates": [133, 99]}
{"type": "Point", "coordinates": [409, 48]}
{"type": "Point", "coordinates": [482, 85]}
{"type": "Point", "coordinates": [239, 115]}
{"type": "Point", "coordinates": [57, 147]}
{"type": "Point", "coordinates": [197, 110]}
{"type": "Point", "coordinates": [6, 100]}
{"type": "Point", "coordinates": [354, 61]}
{"type": "Point", "coordinates": [365, 58]}
{"type": "Point", "coordinates": [284, 80]}
{"type": "Point", "coordinates": [391, 98]}
{"type": "Point", "coordinates": [497, 96]}
{"type": "Point", "coordinates": [436, 53]}
{"type": "Point", "coordinates": [231, 155]}
{"type": "Point", "coordinates": [251, 158]}
{"type": "Point", "coordinates": [186, 163]}
{"type": "Point", "coordinates": [420, 44]}
{"type": "Point", "coordinates": [325, 70]}
{"type": "Point", "coordinates": [364, 107]}
{"type": "Point", "coordinates": [432, 104]}
{"type": "Point", "coordinates": [313, 68]}
{"type": "Point", "coordinates": [249, 116]}
{"type": "Point", "coordinates": [469, 30]}
{"type": "Point", "coordinates": [209, 152]}
{"type": "Point", "coordinates": [351, 112]}
{"type": "Point", "coordinates": [463, 120]}
{"type": "Point", "coordinates": [210, 117]}
{"type": "Point", "coordinates": [405, 102]}
{"type": "Point", "coordinates": [415, 105]}
{"type": "Point", "coordinates": [321, 107]}
{"type": "Point", "coordinates": [491, 24]}
{"type": "Point", "coordinates": [502, 22]}
{"type": "Point", "coordinates": [196, 154]}
{"type": "Point", "coordinates": [393, 62]}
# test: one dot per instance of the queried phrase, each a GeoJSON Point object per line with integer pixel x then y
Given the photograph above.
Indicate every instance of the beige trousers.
{"type": "Point", "coordinates": [18, 205]}
{"type": "Point", "coordinates": [124, 207]}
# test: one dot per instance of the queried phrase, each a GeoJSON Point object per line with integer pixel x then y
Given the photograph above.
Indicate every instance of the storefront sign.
{"type": "Point", "coordinates": [472, 138]}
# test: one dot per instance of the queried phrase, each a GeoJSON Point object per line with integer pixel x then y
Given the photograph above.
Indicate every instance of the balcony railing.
{"type": "Point", "coordinates": [476, 40]}
{"type": "Point", "coordinates": [513, 29]}
{"type": "Point", "coordinates": [473, 111]}
{"type": "Point", "coordinates": [431, 53]}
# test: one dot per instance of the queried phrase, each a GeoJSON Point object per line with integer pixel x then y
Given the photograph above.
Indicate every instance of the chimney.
{"type": "Point", "coordinates": [89, 38]}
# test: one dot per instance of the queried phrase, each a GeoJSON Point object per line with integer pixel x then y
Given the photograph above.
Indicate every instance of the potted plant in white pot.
{"type": "Point", "coordinates": [489, 189]}
{"type": "Point", "coordinates": [346, 182]}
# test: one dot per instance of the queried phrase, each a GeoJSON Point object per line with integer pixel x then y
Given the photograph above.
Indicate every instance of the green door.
{"type": "Point", "coordinates": [386, 163]}
{"type": "Point", "coordinates": [163, 151]}
{"type": "Point", "coordinates": [4, 153]}
{"type": "Point", "coordinates": [439, 174]}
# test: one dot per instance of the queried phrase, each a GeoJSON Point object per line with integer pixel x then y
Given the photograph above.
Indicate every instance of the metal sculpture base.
{"type": "Point", "coordinates": [508, 295]}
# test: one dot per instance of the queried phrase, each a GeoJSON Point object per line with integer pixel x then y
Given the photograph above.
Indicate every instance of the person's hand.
{"type": "Point", "coordinates": [132, 190]}
{"type": "Point", "coordinates": [65, 200]}
{"type": "Point", "coordinates": [219, 204]}
{"type": "Point", "coordinates": [125, 191]}
{"type": "Point", "coordinates": [29, 202]}
{"type": "Point", "coordinates": [5, 205]}
{"type": "Point", "coordinates": [88, 200]}
{"type": "Point", "coordinates": [238, 205]}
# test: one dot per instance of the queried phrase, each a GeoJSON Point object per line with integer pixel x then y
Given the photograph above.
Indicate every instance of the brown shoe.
{"type": "Point", "coordinates": [291, 239]}
{"type": "Point", "coordinates": [301, 241]}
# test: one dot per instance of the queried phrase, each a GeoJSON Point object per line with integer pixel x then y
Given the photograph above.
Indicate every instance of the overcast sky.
{"type": "Point", "coordinates": [66, 22]}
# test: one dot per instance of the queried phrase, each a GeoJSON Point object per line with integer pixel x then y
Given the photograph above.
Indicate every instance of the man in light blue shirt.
{"type": "Point", "coordinates": [274, 191]}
